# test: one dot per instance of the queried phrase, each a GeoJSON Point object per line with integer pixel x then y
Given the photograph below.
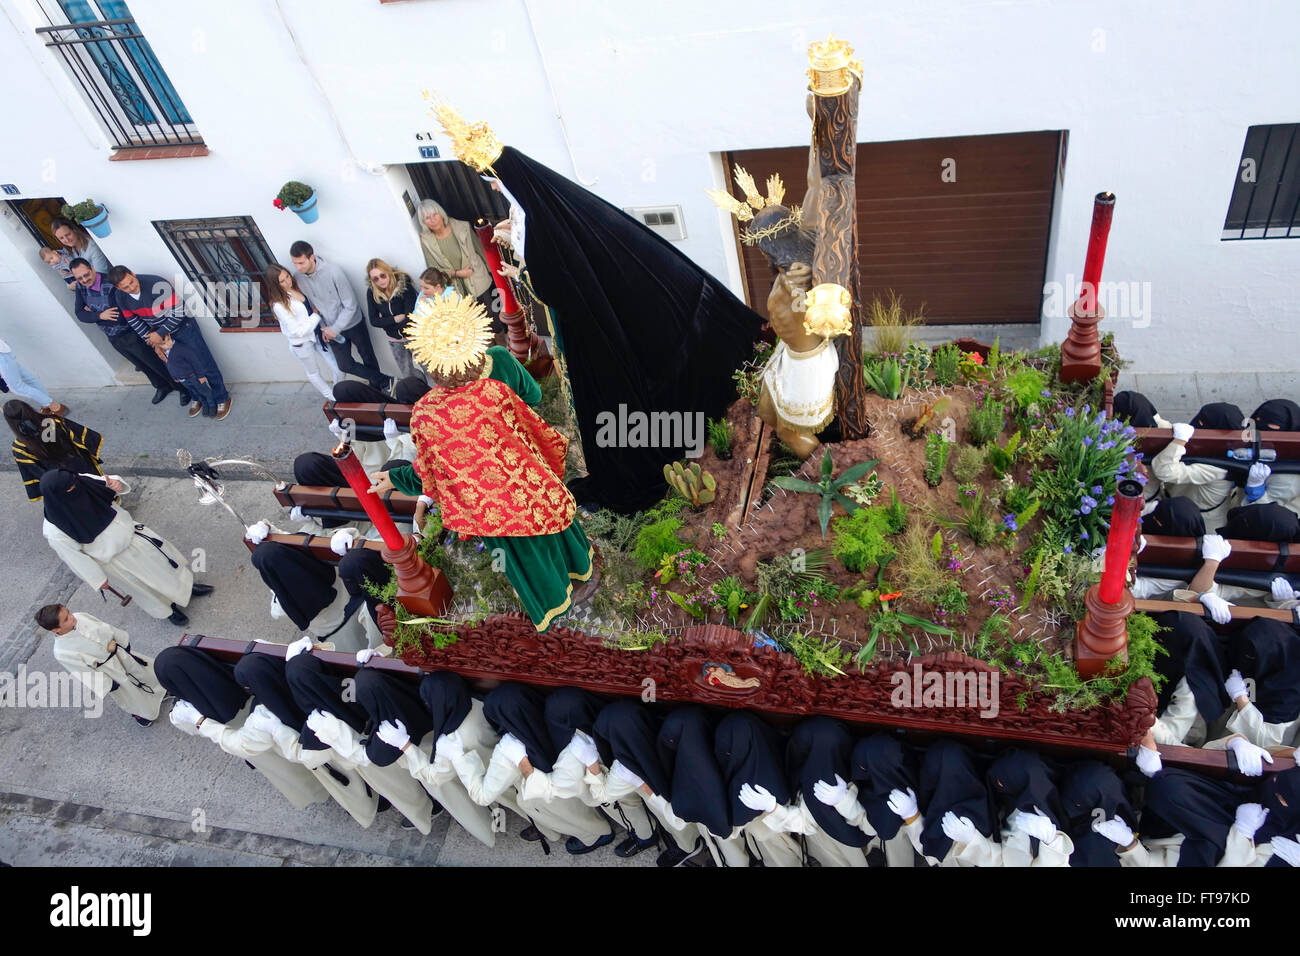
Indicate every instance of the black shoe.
{"type": "Point", "coordinates": [632, 846]}
{"type": "Point", "coordinates": [408, 825]}
{"type": "Point", "coordinates": [142, 721]}
{"type": "Point", "coordinates": [437, 808]}
{"type": "Point", "coordinates": [577, 847]}
{"type": "Point", "coordinates": [676, 856]}
{"type": "Point", "coordinates": [178, 617]}
{"type": "Point", "coordinates": [530, 833]}
{"type": "Point", "coordinates": [199, 590]}
{"type": "Point", "coordinates": [185, 397]}
{"type": "Point", "coordinates": [158, 395]}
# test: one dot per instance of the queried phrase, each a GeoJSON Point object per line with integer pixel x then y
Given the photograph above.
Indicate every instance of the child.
{"type": "Point", "coordinates": [100, 656]}
{"type": "Point", "coordinates": [183, 366]}
{"type": "Point", "coordinates": [60, 262]}
{"type": "Point", "coordinates": [434, 284]}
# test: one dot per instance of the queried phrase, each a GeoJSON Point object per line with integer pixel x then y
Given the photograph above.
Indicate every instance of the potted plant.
{"type": "Point", "coordinates": [299, 197]}
{"type": "Point", "coordinates": [91, 215]}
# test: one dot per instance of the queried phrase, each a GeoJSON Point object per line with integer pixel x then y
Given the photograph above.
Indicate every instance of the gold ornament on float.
{"type": "Point", "coordinates": [832, 67]}
{"type": "Point", "coordinates": [828, 310]}
{"type": "Point", "coordinates": [744, 211]}
{"type": "Point", "coordinates": [448, 335]}
{"type": "Point", "coordinates": [474, 144]}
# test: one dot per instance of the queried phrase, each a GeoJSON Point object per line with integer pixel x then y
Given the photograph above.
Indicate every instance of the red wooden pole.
{"type": "Point", "coordinates": [1081, 351]}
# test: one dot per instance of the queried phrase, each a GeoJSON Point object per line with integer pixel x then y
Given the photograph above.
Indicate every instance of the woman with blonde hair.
{"type": "Point", "coordinates": [301, 326]}
{"type": "Point", "coordinates": [390, 298]}
{"type": "Point", "coordinates": [451, 246]}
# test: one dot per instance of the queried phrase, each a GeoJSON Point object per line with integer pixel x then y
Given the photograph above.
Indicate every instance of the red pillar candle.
{"type": "Point", "coordinates": [492, 254]}
{"type": "Point", "coordinates": [1119, 542]}
{"type": "Point", "coordinates": [359, 481]}
{"type": "Point", "coordinates": [1103, 208]}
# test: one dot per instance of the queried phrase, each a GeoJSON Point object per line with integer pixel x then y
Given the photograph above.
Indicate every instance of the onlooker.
{"type": "Point", "coordinates": [77, 241]}
{"type": "Point", "coordinates": [151, 307]}
{"type": "Point", "coordinates": [434, 284]}
{"type": "Point", "coordinates": [300, 324]}
{"type": "Point", "coordinates": [184, 365]}
{"type": "Point", "coordinates": [390, 299]}
{"type": "Point", "coordinates": [94, 306]}
{"type": "Point", "coordinates": [60, 260]}
{"type": "Point", "coordinates": [18, 379]}
{"type": "Point", "coordinates": [328, 288]}
{"type": "Point", "coordinates": [452, 246]}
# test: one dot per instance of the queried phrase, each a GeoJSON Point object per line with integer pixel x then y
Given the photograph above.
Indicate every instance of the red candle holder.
{"type": "Point", "coordinates": [1081, 351]}
{"type": "Point", "coordinates": [1103, 633]}
{"type": "Point", "coordinates": [359, 481]}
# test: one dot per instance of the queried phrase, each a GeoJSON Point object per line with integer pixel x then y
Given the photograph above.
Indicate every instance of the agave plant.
{"type": "Point", "coordinates": [829, 487]}
{"type": "Point", "coordinates": [888, 377]}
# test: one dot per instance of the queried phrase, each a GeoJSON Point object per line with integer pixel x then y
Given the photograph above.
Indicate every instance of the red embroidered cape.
{"type": "Point", "coordinates": [494, 466]}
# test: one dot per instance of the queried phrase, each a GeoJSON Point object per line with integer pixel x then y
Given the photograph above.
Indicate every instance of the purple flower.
{"type": "Point", "coordinates": [1083, 535]}
{"type": "Point", "coordinates": [1110, 499]}
{"type": "Point", "coordinates": [1010, 522]}
{"type": "Point", "coordinates": [1069, 413]}
{"type": "Point", "coordinates": [1089, 502]}
{"type": "Point", "coordinates": [1085, 510]}
{"type": "Point", "coordinates": [1068, 549]}
{"type": "Point", "coordinates": [1087, 409]}
{"type": "Point", "coordinates": [1096, 489]}
{"type": "Point", "coordinates": [1045, 393]}
{"type": "Point", "coordinates": [1087, 440]}
{"type": "Point", "coordinates": [1105, 446]}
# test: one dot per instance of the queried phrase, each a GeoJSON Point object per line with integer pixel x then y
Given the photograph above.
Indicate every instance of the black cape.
{"type": "Point", "coordinates": [317, 468]}
{"type": "Point", "coordinates": [1201, 809]}
{"type": "Point", "coordinates": [207, 683]}
{"type": "Point", "coordinates": [314, 688]}
{"type": "Point", "coordinates": [1178, 517]}
{"type": "Point", "coordinates": [819, 749]}
{"type": "Point", "coordinates": [446, 698]}
{"type": "Point", "coordinates": [1134, 408]}
{"type": "Point", "coordinates": [1020, 780]}
{"type": "Point", "coordinates": [698, 788]}
{"type": "Point", "coordinates": [570, 709]}
{"type": "Point", "coordinates": [388, 697]}
{"type": "Point", "coordinates": [749, 752]}
{"type": "Point", "coordinates": [1221, 415]}
{"type": "Point", "coordinates": [1267, 522]}
{"type": "Point", "coordinates": [950, 782]}
{"type": "Point", "coordinates": [641, 324]}
{"type": "Point", "coordinates": [79, 507]}
{"type": "Point", "coordinates": [517, 709]}
{"type": "Point", "coordinates": [265, 678]}
{"type": "Point", "coordinates": [629, 730]}
{"type": "Point", "coordinates": [1088, 786]}
{"type": "Point", "coordinates": [881, 764]}
{"type": "Point", "coordinates": [1269, 651]}
{"type": "Point", "coordinates": [1195, 652]}
{"type": "Point", "coordinates": [1278, 414]}
{"type": "Point", "coordinates": [302, 583]}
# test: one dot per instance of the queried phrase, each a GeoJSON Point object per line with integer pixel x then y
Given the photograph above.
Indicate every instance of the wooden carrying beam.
{"type": "Point", "coordinates": [1217, 441]}
{"type": "Point", "coordinates": [1239, 613]}
{"type": "Point", "coordinates": [1214, 762]}
{"type": "Point", "coordinates": [363, 413]}
{"type": "Point", "coordinates": [317, 545]}
{"type": "Point", "coordinates": [1246, 555]}
{"type": "Point", "coordinates": [325, 498]}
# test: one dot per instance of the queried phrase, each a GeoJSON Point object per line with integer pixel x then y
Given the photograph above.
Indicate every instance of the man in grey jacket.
{"type": "Point", "coordinates": [327, 288]}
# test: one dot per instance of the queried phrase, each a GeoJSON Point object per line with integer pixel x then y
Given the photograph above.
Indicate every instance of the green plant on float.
{"type": "Point", "coordinates": [720, 437]}
{"type": "Point", "coordinates": [917, 357]}
{"type": "Point", "coordinates": [1031, 582]}
{"type": "Point", "coordinates": [918, 570]}
{"type": "Point", "coordinates": [691, 482]}
{"type": "Point", "coordinates": [692, 604]}
{"type": "Point", "coordinates": [656, 540]}
{"type": "Point", "coordinates": [785, 577]}
{"type": "Point", "coordinates": [936, 457]}
{"type": "Point", "coordinates": [820, 658]}
{"type": "Point", "coordinates": [622, 591]}
{"type": "Point", "coordinates": [969, 464]}
{"type": "Point", "coordinates": [829, 487]}
{"type": "Point", "coordinates": [1018, 498]}
{"type": "Point", "coordinates": [893, 624]}
{"type": "Point", "coordinates": [952, 599]}
{"type": "Point", "coordinates": [1025, 386]}
{"type": "Point", "coordinates": [895, 513]}
{"type": "Point", "coordinates": [1071, 692]}
{"type": "Point", "coordinates": [986, 421]}
{"type": "Point", "coordinates": [887, 377]}
{"type": "Point", "coordinates": [866, 491]}
{"type": "Point", "coordinates": [719, 530]}
{"type": "Point", "coordinates": [860, 538]}
{"type": "Point", "coordinates": [994, 361]}
{"type": "Point", "coordinates": [635, 640]}
{"type": "Point", "coordinates": [936, 546]}
{"type": "Point", "coordinates": [731, 597]}
{"type": "Point", "coordinates": [1002, 457]}
{"type": "Point", "coordinates": [946, 364]}
{"type": "Point", "coordinates": [1064, 579]}
{"type": "Point", "coordinates": [749, 377]}
{"type": "Point", "coordinates": [978, 518]}
{"type": "Point", "coordinates": [891, 325]}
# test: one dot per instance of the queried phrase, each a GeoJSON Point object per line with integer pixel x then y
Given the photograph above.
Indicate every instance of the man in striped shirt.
{"type": "Point", "coordinates": [151, 307]}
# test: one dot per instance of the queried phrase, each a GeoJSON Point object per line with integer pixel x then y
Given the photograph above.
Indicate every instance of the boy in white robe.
{"type": "Point", "coordinates": [100, 657]}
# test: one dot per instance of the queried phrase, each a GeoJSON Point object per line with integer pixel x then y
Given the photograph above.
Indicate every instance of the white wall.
{"type": "Point", "coordinates": [1157, 98]}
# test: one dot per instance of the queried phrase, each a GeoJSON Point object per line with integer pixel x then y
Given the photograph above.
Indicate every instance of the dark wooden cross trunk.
{"type": "Point", "coordinates": [835, 143]}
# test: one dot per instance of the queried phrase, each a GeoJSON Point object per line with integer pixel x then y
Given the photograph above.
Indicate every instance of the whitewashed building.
{"type": "Point", "coordinates": [986, 129]}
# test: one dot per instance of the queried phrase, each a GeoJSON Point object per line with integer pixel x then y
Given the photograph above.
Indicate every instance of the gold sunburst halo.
{"type": "Point", "coordinates": [448, 335]}
{"type": "Point", "coordinates": [474, 144]}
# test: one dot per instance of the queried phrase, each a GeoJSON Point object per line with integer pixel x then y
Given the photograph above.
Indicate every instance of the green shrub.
{"type": "Point", "coordinates": [936, 458]}
{"type": "Point", "coordinates": [947, 364]}
{"type": "Point", "coordinates": [895, 513]}
{"type": "Point", "coordinates": [720, 435]}
{"type": "Point", "coordinates": [1026, 386]}
{"type": "Point", "coordinates": [986, 421]}
{"type": "Point", "coordinates": [1002, 457]}
{"type": "Point", "coordinates": [969, 464]}
{"type": "Point", "coordinates": [859, 539]}
{"type": "Point", "coordinates": [891, 325]}
{"type": "Point", "coordinates": [656, 540]}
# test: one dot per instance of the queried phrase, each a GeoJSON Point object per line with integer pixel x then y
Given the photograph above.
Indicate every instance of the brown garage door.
{"type": "Point", "coordinates": [972, 250]}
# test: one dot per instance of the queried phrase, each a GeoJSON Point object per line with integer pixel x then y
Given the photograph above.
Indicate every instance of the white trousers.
{"type": "Point", "coordinates": [308, 354]}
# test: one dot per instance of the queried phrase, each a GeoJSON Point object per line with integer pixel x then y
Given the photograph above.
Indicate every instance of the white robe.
{"type": "Point", "coordinates": [611, 787]}
{"type": "Point", "coordinates": [1283, 489]}
{"type": "Point", "coordinates": [1250, 723]}
{"type": "Point", "coordinates": [802, 385]}
{"type": "Point", "coordinates": [905, 846]}
{"type": "Point", "coordinates": [361, 803]}
{"type": "Point", "coordinates": [1239, 850]}
{"type": "Point", "coordinates": [567, 779]}
{"type": "Point", "coordinates": [133, 565]}
{"type": "Point", "coordinates": [84, 653]}
{"type": "Point", "coordinates": [1207, 486]}
{"type": "Point", "coordinates": [1180, 723]}
{"type": "Point", "coordinates": [258, 748]}
{"type": "Point", "coordinates": [392, 782]}
{"type": "Point", "coordinates": [825, 849]}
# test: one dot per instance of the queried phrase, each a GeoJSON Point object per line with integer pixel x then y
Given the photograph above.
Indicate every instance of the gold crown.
{"type": "Point", "coordinates": [831, 65]}
{"type": "Point", "coordinates": [828, 310]}
{"type": "Point", "coordinates": [744, 211]}
{"type": "Point", "coordinates": [474, 144]}
{"type": "Point", "coordinates": [449, 335]}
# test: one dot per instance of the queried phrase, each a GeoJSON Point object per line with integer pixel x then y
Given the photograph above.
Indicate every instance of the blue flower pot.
{"type": "Point", "coordinates": [99, 225]}
{"type": "Point", "coordinates": [307, 212]}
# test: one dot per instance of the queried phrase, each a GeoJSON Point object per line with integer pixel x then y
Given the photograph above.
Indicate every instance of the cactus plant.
{"type": "Point", "coordinates": [689, 481]}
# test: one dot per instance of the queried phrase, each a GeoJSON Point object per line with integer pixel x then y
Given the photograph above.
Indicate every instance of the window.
{"type": "Point", "coordinates": [118, 74]}
{"type": "Point", "coordinates": [224, 260]}
{"type": "Point", "coordinates": [1266, 195]}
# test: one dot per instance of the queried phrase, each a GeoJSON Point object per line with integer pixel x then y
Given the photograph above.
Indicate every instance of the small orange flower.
{"type": "Point", "coordinates": [976, 358]}
{"type": "Point", "coordinates": [890, 597]}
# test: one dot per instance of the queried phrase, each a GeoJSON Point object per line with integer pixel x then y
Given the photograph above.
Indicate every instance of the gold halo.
{"type": "Point", "coordinates": [448, 335]}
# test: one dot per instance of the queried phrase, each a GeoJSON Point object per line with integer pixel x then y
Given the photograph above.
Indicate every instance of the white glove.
{"type": "Point", "coordinates": [393, 733]}
{"type": "Point", "coordinates": [626, 774]}
{"type": "Point", "coordinates": [1215, 547]}
{"type": "Point", "coordinates": [512, 748]}
{"type": "Point", "coordinates": [1287, 849]}
{"type": "Point", "coordinates": [297, 647]}
{"type": "Point", "coordinates": [831, 793]}
{"type": "Point", "coordinates": [263, 720]}
{"type": "Point", "coordinates": [1250, 759]}
{"type": "Point", "coordinates": [1150, 506]}
{"type": "Point", "coordinates": [1256, 479]}
{"type": "Point", "coordinates": [904, 804]}
{"type": "Point", "coordinates": [342, 539]}
{"type": "Point", "coordinates": [1035, 824]}
{"type": "Point", "coordinates": [1250, 817]}
{"type": "Point", "coordinates": [1282, 590]}
{"type": "Point", "coordinates": [296, 513]}
{"type": "Point", "coordinates": [337, 430]}
{"type": "Point", "coordinates": [1148, 761]}
{"type": "Point", "coordinates": [584, 749]}
{"type": "Point", "coordinates": [757, 798]}
{"type": "Point", "coordinates": [184, 712]}
{"type": "Point", "coordinates": [257, 533]}
{"type": "Point", "coordinates": [1182, 431]}
{"type": "Point", "coordinates": [316, 721]}
{"type": "Point", "coordinates": [1235, 685]}
{"type": "Point", "coordinates": [959, 829]}
{"type": "Point", "coordinates": [426, 501]}
{"type": "Point", "coordinates": [364, 655]}
{"type": "Point", "coordinates": [449, 746]}
{"type": "Point", "coordinates": [1116, 831]}
{"type": "Point", "coordinates": [390, 429]}
{"type": "Point", "coordinates": [1218, 607]}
